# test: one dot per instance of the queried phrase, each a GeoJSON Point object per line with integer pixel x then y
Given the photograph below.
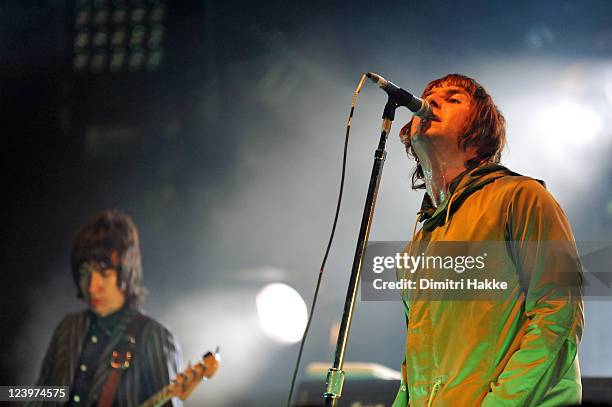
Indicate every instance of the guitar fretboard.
{"type": "Point", "coordinates": [157, 399]}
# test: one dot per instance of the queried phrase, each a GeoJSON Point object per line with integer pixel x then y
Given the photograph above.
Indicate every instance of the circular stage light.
{"type": "Point", "coordinates": [282, 313]}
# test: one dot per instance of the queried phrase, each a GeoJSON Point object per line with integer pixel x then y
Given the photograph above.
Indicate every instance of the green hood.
{"type": "Point", "coordinates": [462, 186]}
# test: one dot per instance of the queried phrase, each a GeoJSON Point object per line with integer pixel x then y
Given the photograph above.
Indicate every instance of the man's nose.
{"type": "Point", "coordinates": [433, 101]}
{"type": "Point", "coordinates": [95, 282]}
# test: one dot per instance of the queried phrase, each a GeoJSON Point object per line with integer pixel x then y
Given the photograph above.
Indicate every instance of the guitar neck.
{"type": "Point", "coordinates": [157, 399]}
{"type": "Point", "coordinates": [184, 383]}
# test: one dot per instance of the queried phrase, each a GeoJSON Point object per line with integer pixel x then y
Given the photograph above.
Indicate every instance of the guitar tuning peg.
{"type": "Point", "coordinates": [217, 354]}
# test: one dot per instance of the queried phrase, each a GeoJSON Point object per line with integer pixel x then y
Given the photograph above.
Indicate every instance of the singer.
{"type": "Point", "coordinates": [520, 350]}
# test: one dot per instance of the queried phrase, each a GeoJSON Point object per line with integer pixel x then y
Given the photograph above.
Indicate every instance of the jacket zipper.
{"type": "Point", "coordinates": [434, 391]}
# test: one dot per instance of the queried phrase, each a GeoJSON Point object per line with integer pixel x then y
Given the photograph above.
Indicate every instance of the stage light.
{"type": "Point", "coordinates": [111, 32]}
{"type": "Point", "coordinates": [136, 61]}
{"type": "Point", "coordinates": [138, 15]}
{"type": "Point", "coordinates": [118, 38]}
{"type": "Point", "coordinates": [608, 86]}
{"type": "Point", "coordinates": [82, 18]}
{"type": "Point", "coordinates": [98, 62]}
{"type": "Point", "coordinates": [137, 36]}
{"type": "Point", "coordinates": [99, 40]}
{"type": "Point", "coordinates": [282, 313]}
{"type": "Point", "coordinates": [80, 62]}
{"type": "Point", "coordinates": [81, 40]}
{"type": "Point", "coordinates": [569, 123]}
{"type": "Point", "coordinates": [119, 15]}
{"type": "Point", "coordinates": [101, 16]}
{"type": "Point", "coordinates": [156, 36]}
{"type": "Point", "coordinates": [154, 60]}
{"type": "Point", "coordinates": [117, 61]}
{"type": "Point", "coordinates": [158, 13]}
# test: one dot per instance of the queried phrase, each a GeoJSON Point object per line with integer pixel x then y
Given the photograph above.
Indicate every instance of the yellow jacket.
{"type": "Point", "coordinates": [519, 350]}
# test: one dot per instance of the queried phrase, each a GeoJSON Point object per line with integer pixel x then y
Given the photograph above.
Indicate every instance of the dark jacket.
{"type": "Point", "coordinates": [157, 360]}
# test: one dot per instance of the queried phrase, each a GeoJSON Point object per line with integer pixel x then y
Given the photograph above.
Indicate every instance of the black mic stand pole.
{"type": "Point", "coordinates": [335, 375]}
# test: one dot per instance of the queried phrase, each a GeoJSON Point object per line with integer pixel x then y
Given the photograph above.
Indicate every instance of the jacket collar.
{"type": "Point", "coordinates": [460, 188]}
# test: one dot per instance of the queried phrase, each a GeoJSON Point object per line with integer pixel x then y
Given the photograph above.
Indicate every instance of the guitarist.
{"type": "Point", "coordinates": [110, 354]}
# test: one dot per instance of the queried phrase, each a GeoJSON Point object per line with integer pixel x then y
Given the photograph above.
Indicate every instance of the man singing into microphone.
{"type": "Point", "coordinates": [520, 350]}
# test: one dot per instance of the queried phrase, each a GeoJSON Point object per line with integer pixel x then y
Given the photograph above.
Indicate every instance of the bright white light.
{"type": "Point", "coordinates": [608, 86]}
{"type": "Point", "coordinates": [282, 313]}
{"type": "Point", "coordinates": [569, 124]}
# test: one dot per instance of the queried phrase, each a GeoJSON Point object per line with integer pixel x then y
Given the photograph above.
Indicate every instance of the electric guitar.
{"type": "Point", "coordinates": [186, 382]}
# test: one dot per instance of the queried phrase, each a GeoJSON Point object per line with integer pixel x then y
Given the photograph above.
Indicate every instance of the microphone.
{"type": "Point", "coordinates": [418, 106]}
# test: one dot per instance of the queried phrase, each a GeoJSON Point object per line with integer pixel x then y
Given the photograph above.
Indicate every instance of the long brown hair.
{"type": "Point", "coordinates": [485, 130]}
{"type": "Point", "coordinates": [111, 237]}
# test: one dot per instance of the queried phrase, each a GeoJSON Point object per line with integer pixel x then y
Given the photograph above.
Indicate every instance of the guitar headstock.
{"type": "Point", "coordinates": [186, 382]}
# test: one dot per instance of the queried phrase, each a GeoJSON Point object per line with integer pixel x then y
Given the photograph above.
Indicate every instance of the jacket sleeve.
{"type": "Point", "coordinates": [162, 359]}
{"type": "Point", "coordinates": [48, 376]}
{"type": "Point", "coordinates": [401, 398]}
{"type": "Point", "coordinates": [542, 246]}
{"type": "Point", "coordinates": [44, 378]}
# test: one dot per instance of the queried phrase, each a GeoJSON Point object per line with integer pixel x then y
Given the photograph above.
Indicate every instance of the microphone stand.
{"type": "Point", "coordinates": [335, 375]}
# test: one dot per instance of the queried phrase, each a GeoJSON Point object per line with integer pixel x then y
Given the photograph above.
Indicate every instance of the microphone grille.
{"type": "Point", "coordinates": [425, 109]}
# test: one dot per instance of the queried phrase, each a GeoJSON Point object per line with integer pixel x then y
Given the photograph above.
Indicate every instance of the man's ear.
{"type": "Point", "coordinates": [115, 259]}
{"type": "Point", "coordinates": [82, 287]}
{"type": "Point", "coordinates": [405, 131]}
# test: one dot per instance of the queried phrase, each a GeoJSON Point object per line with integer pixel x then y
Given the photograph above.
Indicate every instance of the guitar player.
{"type": "Point", "coordinates": [110, 354]}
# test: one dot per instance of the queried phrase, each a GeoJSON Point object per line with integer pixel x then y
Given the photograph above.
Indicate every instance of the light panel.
{"type": "Point", "coordinates": [118, 36]}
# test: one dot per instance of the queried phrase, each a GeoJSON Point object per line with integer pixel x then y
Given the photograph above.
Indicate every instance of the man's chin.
{"type": "Point", "coordinates": [97, 308]}
{"type": "Point", "coordinates": [96, 311]}
{"type": "Point", "coordinates": [423, 138]}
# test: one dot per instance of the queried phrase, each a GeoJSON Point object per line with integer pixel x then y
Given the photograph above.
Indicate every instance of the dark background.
{"type": "Point", "coordinates": [228, 158]}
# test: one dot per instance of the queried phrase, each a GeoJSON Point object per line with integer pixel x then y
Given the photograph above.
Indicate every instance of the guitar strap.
{"type": "Point", "coordinates": [121, 359]}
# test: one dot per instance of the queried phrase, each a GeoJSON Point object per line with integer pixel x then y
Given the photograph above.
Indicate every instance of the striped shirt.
{"type": "Point", "coordinates": [156, 360]}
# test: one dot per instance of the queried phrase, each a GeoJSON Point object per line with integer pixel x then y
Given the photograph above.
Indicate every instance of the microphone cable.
{"type": "Point", "coordinates": [331, 237]}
